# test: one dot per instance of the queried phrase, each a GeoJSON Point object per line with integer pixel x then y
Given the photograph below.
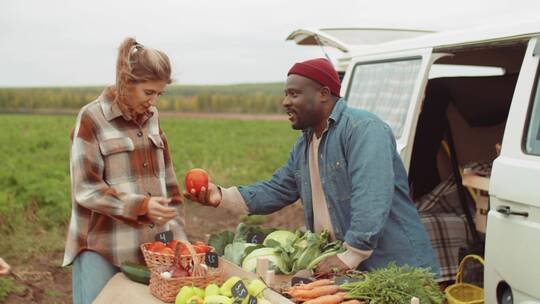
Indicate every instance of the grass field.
{"type": "Point", "coordinates": [235, 98]}
{"type": "Point", "coordinates": [34, 181]}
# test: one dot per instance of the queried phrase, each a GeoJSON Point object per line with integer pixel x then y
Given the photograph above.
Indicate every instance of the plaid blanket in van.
{"type": "Point", "coordinates": [441, 214]}
{"type": "Point", "coordinates": [448, 232]}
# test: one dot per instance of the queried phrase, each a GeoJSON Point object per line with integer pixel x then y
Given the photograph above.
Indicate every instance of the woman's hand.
{"type": "Point", "coordinates": [159, 211]}
{"type": "Point", "coordinates": [207, 197]}
{"type": "Point", "coordinates": [4, 267]}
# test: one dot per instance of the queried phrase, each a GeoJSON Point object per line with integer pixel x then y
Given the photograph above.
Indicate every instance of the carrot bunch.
{"type": "Point", "coordinates": [319, 292]}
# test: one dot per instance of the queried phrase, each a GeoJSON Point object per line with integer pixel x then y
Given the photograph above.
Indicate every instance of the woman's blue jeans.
{"type": "Point", "coordinates": [89, 275]}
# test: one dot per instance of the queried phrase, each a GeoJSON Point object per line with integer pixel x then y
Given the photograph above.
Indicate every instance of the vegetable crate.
{"type": "Point", "coordinates": [230, 269]}
{"type": "Point", "coordinates": [278, 282]}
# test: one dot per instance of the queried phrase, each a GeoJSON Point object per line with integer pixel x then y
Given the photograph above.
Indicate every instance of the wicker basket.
{"type": "Point", "coordinates": [156, 259]}
{"type": "Point", "coordinates": [167, 289]}
{"type": "Point", "coordinates": [463, 293]}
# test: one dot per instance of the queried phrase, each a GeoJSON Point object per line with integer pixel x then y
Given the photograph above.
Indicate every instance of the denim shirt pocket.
{"type": "Point", "coordinates": [339, 180]}
{"type": "Point", "coordinates": [116, 158]}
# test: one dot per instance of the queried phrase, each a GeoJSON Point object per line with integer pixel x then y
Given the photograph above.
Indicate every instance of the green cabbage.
{"type": "Point", "coordinates": [283, 238]}
{"type": "Point", "coordinates": [272, 254]}
{"type": "Point", "coordinates": [236, 251]}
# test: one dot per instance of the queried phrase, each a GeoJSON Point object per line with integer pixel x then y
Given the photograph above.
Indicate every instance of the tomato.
{"type": "Point", "coordinates": [184, 250]}
{"type": "Point", "coordinates": [150, 247]}
{"type": "Point", "coordinates": [180, 272]}
{"type": "Point", "coordinates": [201, 248]}
{"type": "Point", "coordinates": [156, 246]}
{"type": "Point", "coordinates": [172, 244]}
{"type": "Point", "coordinates": [195, 180]}
{"type": "Point", "coordinates": [166, 250]}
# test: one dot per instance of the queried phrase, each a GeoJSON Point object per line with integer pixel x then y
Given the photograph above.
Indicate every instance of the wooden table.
{"type": "Point", "coordinates": [121, 290]}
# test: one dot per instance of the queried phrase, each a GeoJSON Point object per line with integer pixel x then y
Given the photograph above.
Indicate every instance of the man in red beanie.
{"type": "Point", "coordinates": [347, 172]}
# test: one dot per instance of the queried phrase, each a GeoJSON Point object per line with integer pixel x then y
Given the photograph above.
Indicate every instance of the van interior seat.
{"type": "Point", "coordinates": [475, 109]}
{"type": "Point", "coordinates": [477, 114]}
{"type": "Point", "coordinates": [472, 144]}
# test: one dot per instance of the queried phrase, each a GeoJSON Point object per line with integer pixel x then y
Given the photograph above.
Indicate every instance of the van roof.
{"type": "Point", "coordinates": [455, 38]}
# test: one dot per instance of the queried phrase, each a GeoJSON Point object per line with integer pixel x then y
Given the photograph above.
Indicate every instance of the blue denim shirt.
{"type": "Point", "coordinates": [366, 188]}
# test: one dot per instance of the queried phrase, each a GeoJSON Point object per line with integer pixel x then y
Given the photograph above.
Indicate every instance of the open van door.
{"type": "Point", "coordinates": [315, 37]}
{"type": "Point", "coordinates": [392, 87]}
{"type": "Point", "coordinates": [512, 270]}
{"type": "Point", "coordinates": [347, 40]}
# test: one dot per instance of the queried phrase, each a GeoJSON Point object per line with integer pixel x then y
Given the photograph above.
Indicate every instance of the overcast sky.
{"type": "Point", "coordinates": [67, 42]}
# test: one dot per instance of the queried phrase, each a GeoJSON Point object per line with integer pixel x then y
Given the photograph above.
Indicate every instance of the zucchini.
{"type": "Point", "coordinates": [136, 272]}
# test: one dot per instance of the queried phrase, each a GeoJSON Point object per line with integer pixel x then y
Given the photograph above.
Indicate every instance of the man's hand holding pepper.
{"type": "Point", "coordinates": [207, 197]}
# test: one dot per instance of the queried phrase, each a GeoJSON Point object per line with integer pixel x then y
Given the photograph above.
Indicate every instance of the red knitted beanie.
{"type": "Point", "coordinates": [319, 70]}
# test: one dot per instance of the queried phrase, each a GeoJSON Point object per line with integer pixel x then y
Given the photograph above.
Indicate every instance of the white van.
{"type": "Point", "coordinates": [458, 97]}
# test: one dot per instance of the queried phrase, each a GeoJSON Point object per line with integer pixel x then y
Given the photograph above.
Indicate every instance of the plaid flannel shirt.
{"type": "Point", "coordinates": [116, 165]}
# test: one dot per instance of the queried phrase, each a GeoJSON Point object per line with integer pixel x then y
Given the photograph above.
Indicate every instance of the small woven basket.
{"type": "Point", "coordinates": [167, 289]}
{"type": "Point", "coordinates": [464, 293]}
{"type": "Point", "coordinates": [156, 259]}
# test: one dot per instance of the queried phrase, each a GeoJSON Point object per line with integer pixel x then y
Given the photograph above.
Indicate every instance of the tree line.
{"type": "Point", "coordinates": [238, 98]}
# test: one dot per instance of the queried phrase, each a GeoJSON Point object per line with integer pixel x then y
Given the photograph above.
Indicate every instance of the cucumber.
{"type": "Point", "coordinates": [136, 272]}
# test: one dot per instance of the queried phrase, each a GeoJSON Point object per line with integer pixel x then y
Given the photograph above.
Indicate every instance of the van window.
{"type": "Point", "coordinates": [532, 142]}
{"type": "Point", "coordinates": [385, 89]}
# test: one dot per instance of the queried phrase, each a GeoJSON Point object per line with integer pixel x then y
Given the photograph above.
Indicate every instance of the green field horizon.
{"type": "Point", "coordinates": [264, 98]}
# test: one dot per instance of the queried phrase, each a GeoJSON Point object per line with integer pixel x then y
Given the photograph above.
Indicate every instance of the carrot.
{"type": "Point", "coordinates": [328, 299]}
{"type": "Point", "coordinates": [313, 284]}
{"type": "Point", "coordinates": [299, 300]}
{"type": "Point", "coordinates": [351, 302]}
{"type": "Point", "coordinates": [315, 292]}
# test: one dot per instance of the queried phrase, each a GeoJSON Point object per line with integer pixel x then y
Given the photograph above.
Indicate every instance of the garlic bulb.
{"type": "Point", "coordinates": [166, 275]}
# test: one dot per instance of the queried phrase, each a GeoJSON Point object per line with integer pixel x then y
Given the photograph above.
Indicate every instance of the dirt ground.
{"type": "Point", "coordinates": [44, 281]}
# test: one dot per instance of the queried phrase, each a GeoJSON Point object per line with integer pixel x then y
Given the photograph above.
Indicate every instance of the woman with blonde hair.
{"type": "Point", "coordinates": [124, 189]}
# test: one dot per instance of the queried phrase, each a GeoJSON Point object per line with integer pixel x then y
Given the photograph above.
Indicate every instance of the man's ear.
{"type": "Point", "coordinates": [326, 94]}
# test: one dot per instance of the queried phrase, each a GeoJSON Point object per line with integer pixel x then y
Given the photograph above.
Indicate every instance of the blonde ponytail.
{"type": "Point", "coordinates": [136, 64]}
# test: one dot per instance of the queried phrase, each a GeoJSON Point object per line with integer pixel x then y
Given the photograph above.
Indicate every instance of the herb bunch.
{"type": "Point", "coordinates": [395, 285]}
